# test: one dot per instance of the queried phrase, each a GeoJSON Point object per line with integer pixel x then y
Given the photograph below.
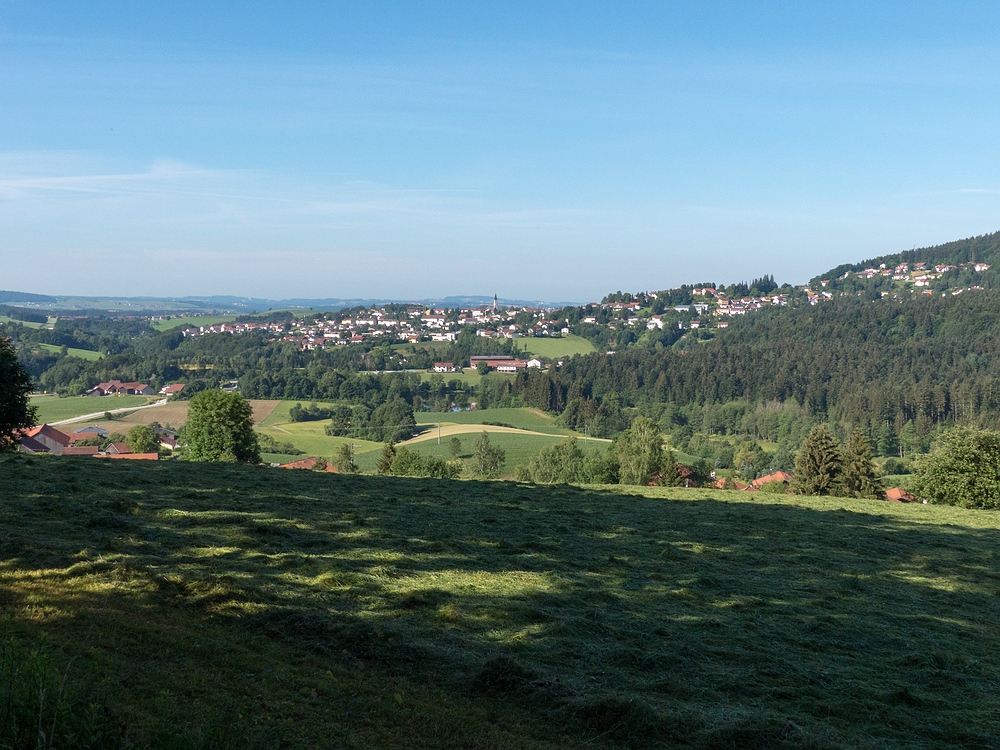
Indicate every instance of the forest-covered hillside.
{"type": "Point", "coordinates": [961, 256]}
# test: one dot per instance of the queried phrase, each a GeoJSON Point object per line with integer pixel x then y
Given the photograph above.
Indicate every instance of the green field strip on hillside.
{"type": "Point", "coordinates": [520, 447]}
{"type": "Point", "coordinates": [87, 354]}
{"type": "Point", "coordinates": [192, 320]}
{"type": "Point", "coordinates": [521, 418]}
{"type": "Point", "coordinates": [25, 323]}
{"type": "Point", "coordinates": [54, 409]}
{"type": "Point", "coordinates": [468, 376]}
{"type": "Point", "coordinates": [556, 348]}
{"type": "Point", "coordinates": [311, 438]}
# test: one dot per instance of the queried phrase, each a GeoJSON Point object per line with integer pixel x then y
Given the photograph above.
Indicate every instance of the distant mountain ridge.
{"type": "Point", "coordinates": [7, 297]}
{"type": "Point", "coordinates": [980, 249]}
{"type": "Point", "coordinates": [234, 304]}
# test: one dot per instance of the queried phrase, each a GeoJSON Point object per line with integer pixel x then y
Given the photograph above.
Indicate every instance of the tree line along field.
{"type": "Point", "coordinates": [549, 348]}
{"type": "Point", "coordinates": [509, 428]}
{"type": "Point", "coordinates": [233, 606]}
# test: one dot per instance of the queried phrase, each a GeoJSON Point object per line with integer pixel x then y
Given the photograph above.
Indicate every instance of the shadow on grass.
{"type": "Point", "coordinates": [622, 620]}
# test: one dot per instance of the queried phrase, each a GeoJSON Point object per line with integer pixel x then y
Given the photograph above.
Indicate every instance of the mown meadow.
{"type": "Point", "coordinates": [187, 605]}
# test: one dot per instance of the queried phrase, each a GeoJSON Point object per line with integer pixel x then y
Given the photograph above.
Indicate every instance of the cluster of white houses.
{"type": "Point", "coordinates": [918, 274]}
{"type": "Point", "coordinates": [411, 325]}
{"type": "Point", "coordinates": [415, 323]}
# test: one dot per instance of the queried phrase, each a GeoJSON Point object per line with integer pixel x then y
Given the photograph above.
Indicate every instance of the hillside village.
{"type": "Point", "coordinates": [703, 307]}
{"type": "Point", "coordinates": [919, 274]}
{"type": "Point", "coordinates": [419, 324]}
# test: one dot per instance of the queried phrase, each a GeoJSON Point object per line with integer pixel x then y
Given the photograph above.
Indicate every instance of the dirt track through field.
{"type": "Point", "coordinates": [174, 413]}
{"type": "Point", "coordinates": [447, 430]}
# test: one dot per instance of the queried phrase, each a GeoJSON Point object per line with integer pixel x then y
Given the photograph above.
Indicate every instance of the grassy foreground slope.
{"type": "Point", "coordinates": [229, 606]}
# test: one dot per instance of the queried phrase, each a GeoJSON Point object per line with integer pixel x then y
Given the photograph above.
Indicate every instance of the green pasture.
{"type": "Point", "coordinates": [200, 605]}
{"type": "Point", "coordinates": [27, 324]}
{"type": "Point", "coordinates": [309, 437]}
{"type": "Point", "coordinates": [468, 377]}
{"type": "Point", "coordinates": [519, 448]}
{"type": "Point", "coordinates": [192, 320]}
{"type": "Point", "coordinates": [52, 408]}
{"type": "Point", "coordinates": [555, 348]}
{"type": "Point", "coordinates": [521, 418]}
{"type": "Point", "coordinates": [87, 354]}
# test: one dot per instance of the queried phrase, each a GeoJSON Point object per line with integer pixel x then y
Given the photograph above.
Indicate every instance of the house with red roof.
{"type": "Point", "coordinates": [899, 495]}
{"type": "Point", "coordinates": [43, 439]}
{"type": "Point", "coordinates": [308, 463]}
{"type": "Point", "coordinates": [778, 476]}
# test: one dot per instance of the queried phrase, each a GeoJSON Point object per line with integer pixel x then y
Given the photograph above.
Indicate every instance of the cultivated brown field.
{"type": "Point", "coordinates": [175, 414]}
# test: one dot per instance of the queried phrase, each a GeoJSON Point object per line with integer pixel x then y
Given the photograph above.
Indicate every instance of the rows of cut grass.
{"type": "Point", "coordinates": [263, 608]}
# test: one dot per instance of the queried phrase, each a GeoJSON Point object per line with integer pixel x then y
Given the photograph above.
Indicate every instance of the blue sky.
{"type": "Point", "coordinates": [539, 150]}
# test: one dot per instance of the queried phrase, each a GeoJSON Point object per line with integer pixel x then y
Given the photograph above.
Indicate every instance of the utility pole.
{"type": "Point", "coordinates": [439, 433]}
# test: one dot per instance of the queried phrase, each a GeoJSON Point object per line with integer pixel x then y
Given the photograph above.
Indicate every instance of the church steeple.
{"type": "Point", "coordinates": [494, 303]}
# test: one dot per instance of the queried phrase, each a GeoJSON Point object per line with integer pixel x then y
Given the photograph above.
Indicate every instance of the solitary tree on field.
{"type": "Point", "coordinates": [818, 465]}
{"type": "Point", "coordinates": [488, 459]}
{"type": "Point", "coordinates": [220, 428]}
{"type": "Point", "coordinates": [345, 463]}
{"type": "Point", "coordinates": [16, 411]}
{"type": "Point", "coordinates": [386, 459]}
{"type": "Point", "coordinates": [639, 450]}
{"type": "Point", "coordinates": [860, 478]}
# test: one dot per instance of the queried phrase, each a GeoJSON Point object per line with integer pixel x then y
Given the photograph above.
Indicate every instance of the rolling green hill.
{"type": "Point", "coordinates": [87, 354]}
{"type": "Point", "coordinates": [521, 418]}
{"type": "Point", "coordinates": [243, 607]}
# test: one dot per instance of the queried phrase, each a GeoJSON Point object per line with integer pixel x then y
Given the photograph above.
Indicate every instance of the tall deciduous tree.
{"type": "Point", "coordinates": [859, 475]}
{"type": "Point", "coordinates": [818, 465]}
{"type": "Point", "coordinates": [220, 428]}
{"type": "Point", "coordinates": [142, 439]}
{"type": "Point", "coordinates": [639, 450]}
{"type": "Point", "coordinates": [962, 469]}
{"type": "Point", "coordinates": [488, 459]}
{"type": "Point", "coordinates": [16, 411]}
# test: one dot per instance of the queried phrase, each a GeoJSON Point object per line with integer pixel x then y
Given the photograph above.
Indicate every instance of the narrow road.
{"type": "Point", "coordinates": [98, 414]}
